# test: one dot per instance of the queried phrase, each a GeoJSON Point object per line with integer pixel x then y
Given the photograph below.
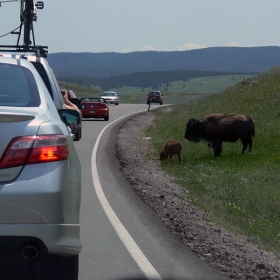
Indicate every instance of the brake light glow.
{"type": "Point", "coordinates": [34, 149]}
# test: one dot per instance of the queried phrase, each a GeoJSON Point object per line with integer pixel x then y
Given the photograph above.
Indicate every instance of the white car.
{"type": "Point", "coordinates": [111, 97]}
{"type": "Point", "coordinates": [40, 175]}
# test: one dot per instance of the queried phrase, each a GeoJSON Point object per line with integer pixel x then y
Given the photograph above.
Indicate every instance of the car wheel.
{"type": "Point", "coordinates": [78, 135]}
{"type": "Point", "coordinates": [161, 103]}
{"type": "Point", "coordinates": [106, 118]}
{"type": "Point", "coordinates": [62, 268]}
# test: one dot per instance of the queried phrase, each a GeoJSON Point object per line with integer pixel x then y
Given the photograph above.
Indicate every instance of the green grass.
{"type": "Point", "coordinates": [80, 91]}
{"type": "Point", "coordinates": [180, 91]}
{"type": "Point", "coordinates": [240, 192]}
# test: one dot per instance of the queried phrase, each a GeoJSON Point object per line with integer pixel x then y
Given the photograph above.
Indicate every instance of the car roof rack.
{"type": "Point", "coordinates": [28, 14]}
{"type": "Point", "coordinates": [39, 51]}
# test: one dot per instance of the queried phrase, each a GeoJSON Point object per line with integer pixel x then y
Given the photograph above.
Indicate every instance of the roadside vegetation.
{"type": "Point", "coordinates": [80, 91]}
{"type": "Point", "coordinates": [176, 92]}
{"type": "Point", "coordinates": [181, 91]}
{"type": "Point", "coordinates": [240, 192]}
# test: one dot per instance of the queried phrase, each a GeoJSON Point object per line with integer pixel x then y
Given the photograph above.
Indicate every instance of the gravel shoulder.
{"type": "Point", "coordinates": [233, 255]}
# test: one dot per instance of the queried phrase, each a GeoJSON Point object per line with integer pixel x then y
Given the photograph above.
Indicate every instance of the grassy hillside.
{"type": "Point", "coordinates": [80, 91]}
{"type": "Point", "coordinates": [178, 92]}
{"type": "Point", "coordinates": [181, 91]}
{"type": "Point", "coordinates": [241, 192]}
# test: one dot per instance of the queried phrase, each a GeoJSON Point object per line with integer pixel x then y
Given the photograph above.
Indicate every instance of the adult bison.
{"type": "Point", "coordinates": [217, 128]}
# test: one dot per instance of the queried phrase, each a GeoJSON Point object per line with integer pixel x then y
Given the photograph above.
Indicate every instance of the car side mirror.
{"type": "Point", "coordinates": [73, 119]}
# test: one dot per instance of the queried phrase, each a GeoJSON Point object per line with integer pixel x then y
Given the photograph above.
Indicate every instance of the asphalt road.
{"type": "Point", "coordinates": [122, 238]}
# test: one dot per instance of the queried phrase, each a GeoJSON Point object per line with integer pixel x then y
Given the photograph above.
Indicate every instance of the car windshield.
{"type": "Point", "coordinates": [109, 94]}
{"type": "Point", "coordinates": [154, 94]}
{"type": "Point", "coordinates": [18, 87]}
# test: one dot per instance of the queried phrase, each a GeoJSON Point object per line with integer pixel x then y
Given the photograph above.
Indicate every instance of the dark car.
{"type": "Point", "coordinates": [155, 96]}
{"type": "Point", "coordinates": [94, 107]}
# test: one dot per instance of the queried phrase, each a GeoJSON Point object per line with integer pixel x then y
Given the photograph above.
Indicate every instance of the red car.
{"type": "Point", "coordinates": [94, 107]}
{"type": "Point", "coordinates": [155, 96]}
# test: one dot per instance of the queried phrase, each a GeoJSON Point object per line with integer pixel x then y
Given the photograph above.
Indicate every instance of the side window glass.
{"type": "Point", "coordinates": [42, 72]}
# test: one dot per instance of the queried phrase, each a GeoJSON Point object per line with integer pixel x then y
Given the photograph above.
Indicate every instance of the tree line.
{"type": "Point", "coordinates": [235, 59]}
{"type": "Point", "coordinates": [153, 79]}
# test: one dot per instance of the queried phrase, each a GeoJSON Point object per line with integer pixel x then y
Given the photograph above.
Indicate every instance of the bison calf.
{"type": "Point", "coordinates": [171, 148]}
{"type": "Point", "coordinates": [218, 128]}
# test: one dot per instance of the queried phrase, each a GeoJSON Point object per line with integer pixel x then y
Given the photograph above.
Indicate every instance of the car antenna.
{"type": "Point", "coordinates": [28, 14]}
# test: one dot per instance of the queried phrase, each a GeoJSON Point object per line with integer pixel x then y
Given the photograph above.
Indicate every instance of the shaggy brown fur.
{"type": "Point", "coordinates": [217, 128]}
{"type": "Point", "coordinates": [171, 148]}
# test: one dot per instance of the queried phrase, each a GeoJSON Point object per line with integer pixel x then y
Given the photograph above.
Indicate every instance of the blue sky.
{"type": "Point", "coordinates": [139, 25]}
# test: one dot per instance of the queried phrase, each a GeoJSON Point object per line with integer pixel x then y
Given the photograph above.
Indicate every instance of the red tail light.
{"type": "Point", "coordinates": [34, 149]}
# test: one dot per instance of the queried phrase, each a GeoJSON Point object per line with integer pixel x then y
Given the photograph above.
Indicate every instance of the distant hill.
{"type": "Point", "coordinates": [233, 59]}
{"type": "Point", "coordinates": [153, 79]}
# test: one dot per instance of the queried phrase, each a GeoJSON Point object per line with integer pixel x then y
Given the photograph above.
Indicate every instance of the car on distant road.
{"type": "Point", "coordinates": [155, 96]}
{"type": "Point", "coordinates": [111, 97]}
{"type": "Point", "coordinates": [94, 107]}
{"type": "Point", "coordinates": [40, 174]}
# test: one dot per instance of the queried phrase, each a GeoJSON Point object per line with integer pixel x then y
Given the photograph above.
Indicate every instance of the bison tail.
{"type": "Point", "coordinates": [252, 126]}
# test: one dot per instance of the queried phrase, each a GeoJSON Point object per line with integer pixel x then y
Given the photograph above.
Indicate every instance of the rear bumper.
{"type": "Point", "coordinates": [96, 114]}
{"type": "Point", "coordinates": [154, 101]}
{"type": "Point", "coordinates": [111, 101]}
{"type": "Point", "coordinates": [62, 240]}
{"type": "Point", "coordinates": [41, 213]}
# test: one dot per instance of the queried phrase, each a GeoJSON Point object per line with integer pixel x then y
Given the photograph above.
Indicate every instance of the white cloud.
{"type": "Point", "coordinates": [126, 51]}
{"type": "Point", "coordinates": [148, 48]}
{"type": "Point", "coordinates": [233, 44]}
{"type": "Point", "coordinates": [190, 46]}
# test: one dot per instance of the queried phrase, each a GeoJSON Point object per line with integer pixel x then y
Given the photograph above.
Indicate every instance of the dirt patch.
{"type": "Point", "coordinates": [234, 256]}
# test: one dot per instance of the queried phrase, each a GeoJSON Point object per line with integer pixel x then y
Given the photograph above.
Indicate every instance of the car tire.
{"type": "Point", "coordinates": [106, 118]}
{"type": "Point", "coordinates": [161, 103]}
{"type": "Point", "coordinates": [62, 268]}
{"type": "Point", "coordinates": [78, 135]}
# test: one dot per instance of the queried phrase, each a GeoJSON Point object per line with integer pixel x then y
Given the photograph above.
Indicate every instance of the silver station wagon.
{"type": "Point", "coordinates": [40, 176]}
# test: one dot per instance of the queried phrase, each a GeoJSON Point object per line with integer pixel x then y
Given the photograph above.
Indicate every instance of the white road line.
{"type": "Point", "coordinates": [123, 234]}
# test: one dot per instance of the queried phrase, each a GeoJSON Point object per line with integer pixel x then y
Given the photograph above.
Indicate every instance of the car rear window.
{"type": "Point", "coordinates": [154, 93]}
{"type": "Point", "coordinates": [18, 87]}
